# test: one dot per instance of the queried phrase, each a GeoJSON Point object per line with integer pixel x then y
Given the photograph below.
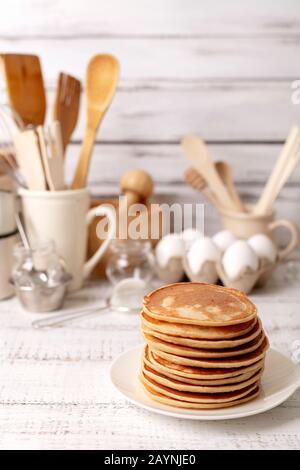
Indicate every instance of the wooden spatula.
{"type": "Point", "coordinates": [225, 172]}
{"type": "Point", "coordinates": [29, 159]}
{"type": "Point", "coordinates": [197, 153]}
{"type": "Point", "coordinates": [101, 82]}
{"type": "Point", "coordinates": [25, 86]}
{"type": "Point", "coordinates": [66, 105]}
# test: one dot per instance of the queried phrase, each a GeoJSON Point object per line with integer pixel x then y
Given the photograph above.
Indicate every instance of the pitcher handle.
{"type": "Point", "coordinates": [294, 236]}
{"type": "Point", "coordinates": [99, 211]}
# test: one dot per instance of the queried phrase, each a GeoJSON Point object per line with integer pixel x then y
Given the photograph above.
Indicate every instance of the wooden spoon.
{"type": "Point", "coordinates": [66, 105]}
{"type": "Point", "coordinates": [225, 172]}
{"type": "Point", "coordinates": [197, 153]}
{"type": "Point", "coordinates": [25, 86]}
{"type": "Point", "coordinates": [101, 82]}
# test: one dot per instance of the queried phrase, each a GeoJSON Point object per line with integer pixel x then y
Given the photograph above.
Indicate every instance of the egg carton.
{"type": "Point", "coordinates": [212, 273]}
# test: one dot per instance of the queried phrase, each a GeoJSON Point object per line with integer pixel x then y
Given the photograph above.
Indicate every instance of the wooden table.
{"type": "Point", "coordinates": [55, 391]}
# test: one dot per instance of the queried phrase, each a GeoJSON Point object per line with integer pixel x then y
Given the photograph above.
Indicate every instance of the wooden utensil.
{"type": "Point", "coordinates": [25, 86]}
{"type": "Point", "coordinates": [137, 186]}
{"type": "Point", "coordinates": [225, 172]}
{"type": "Point", "coordinates": [52, 156]}
{"type": "Point", "coordinates": [29, 159]}
{"type": "Point", "coordinates": [101, 81]}
{"type": "Point", "coordinates": [284, 166]}
{"type": "Point", "coordinates": [197, 182]}
{"type": "Point", "coordinates": [66, 105]}
{"type": "Point", "coordinates": [57, 154]}
{"type": "Point", "coordinates": [197, 153]}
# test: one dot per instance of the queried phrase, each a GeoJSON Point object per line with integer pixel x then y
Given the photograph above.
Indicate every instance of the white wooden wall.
{"type": "Point", "coordinates": [222, 69]}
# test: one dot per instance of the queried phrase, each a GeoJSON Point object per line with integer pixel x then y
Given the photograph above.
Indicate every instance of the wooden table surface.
{"type": "Point", "coordinates": [55, 391]}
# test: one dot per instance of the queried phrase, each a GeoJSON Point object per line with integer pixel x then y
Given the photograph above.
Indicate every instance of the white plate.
{"type": "Point", "coordinates": [280, 380]}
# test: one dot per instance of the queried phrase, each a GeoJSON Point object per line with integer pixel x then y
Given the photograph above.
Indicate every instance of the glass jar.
{"type": "Point", "coordinates": [130, 259]}
{"type": "Point", "coordinates": [37, 265]}
{"type": "Point", "coordinates": [39, 277]}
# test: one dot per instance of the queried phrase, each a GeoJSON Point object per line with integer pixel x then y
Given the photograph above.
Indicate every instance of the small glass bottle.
{"type": "Point", "coordinates": [130, 259]}
{"type": "Point", "coordinates": [38, 265]}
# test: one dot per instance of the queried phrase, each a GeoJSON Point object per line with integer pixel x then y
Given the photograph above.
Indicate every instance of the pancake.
{"type": "Point", "coordinates": [156, 396]}
{"type": "Point", "coordinates": [210, 343]}
{"type": "Point", "coordinates": [177, 384]}
{"type": "Point", "coordinates": [193, 331]}
{"type": "Point", "coordinates": [190, 397]}
{"type": "Point", "coordinates": [199, 304]}
{"type": "Point", "coordinates": [205, 346]}
{"type": "Point", "coordinates": [185, 351]}
{"type": "Point", "coordinates": [166, 373]}
{"type": "Point", "coordinates": [202, 372]}
{"type": "Point", "coordinates": [227, 362]}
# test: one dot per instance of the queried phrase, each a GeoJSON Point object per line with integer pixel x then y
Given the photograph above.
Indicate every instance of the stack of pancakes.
{"type": "Point", "coordinates": [205, 346]}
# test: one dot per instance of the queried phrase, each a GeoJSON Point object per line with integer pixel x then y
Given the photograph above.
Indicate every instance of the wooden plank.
{"type": "Point", "coordinates": [164, 111]}
{"type": "Point", "coordinates": [273, 57]}
{"type": "Point", "coordinates": [56, 392]}
{"type": "Point", "coordinates": [166, 163]}
{"type": "Point", "coordinates": [148, 17]}
{"type": "Point", "coordinates": [106, 426]}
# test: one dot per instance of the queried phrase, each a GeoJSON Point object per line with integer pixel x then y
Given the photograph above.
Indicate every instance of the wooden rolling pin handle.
{"type": "Point", "coordinates": [137, 185]}
{"type": "Point", "coordinates": [132, 198]}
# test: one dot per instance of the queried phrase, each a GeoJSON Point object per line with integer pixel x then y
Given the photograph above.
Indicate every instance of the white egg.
{"type": "Point", "coordinates": [190, 235]}
{"type": "Point", "coordinates": [202, 250]}
{"type": "Point", "coordinates": [170, 246]}
{"type": "Point", "coordinates": [237, 257]}
{"type": "Point", "coordinates": [224, 239]}
{"type": "Point", "coordinates": [263, 246]}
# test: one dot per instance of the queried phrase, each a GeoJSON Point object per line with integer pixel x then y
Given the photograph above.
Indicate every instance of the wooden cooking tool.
{"type": "Point", "coordinates": [225, 172]}
{"type": "Point", "coordinates": [197, 153]}
{"type": "Point", "coordinates": [45, 157]}
{"type": "Point", "coordinates": [101, 81]}
{"type": "Point", "coordinates": [137, 186]}
{"type": "Point", "coordinates": [57, 154]}
{"type": "Point", "coordinates": [284, 166]}
{"type": "Point", "coordinates": [29, 159]}
{"type": "Point", "coordinates": [52, 155]}
{"type": "Point", "coordinates": [197, 182]}
{"type": "Point", "coordinates": [25, 86]}
{"type": "Point", "coordinates": [66, 105]}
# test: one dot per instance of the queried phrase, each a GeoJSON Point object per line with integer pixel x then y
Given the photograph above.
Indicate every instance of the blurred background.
{"type": "Point", "coordinates": [223, 70]}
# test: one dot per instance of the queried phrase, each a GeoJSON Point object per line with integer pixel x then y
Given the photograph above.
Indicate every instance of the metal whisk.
{"type": "Point", "coordinates": [10, 123]}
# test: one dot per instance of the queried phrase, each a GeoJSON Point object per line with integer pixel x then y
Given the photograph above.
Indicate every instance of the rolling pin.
{"type": "Point", "coordinates": [137, 186]}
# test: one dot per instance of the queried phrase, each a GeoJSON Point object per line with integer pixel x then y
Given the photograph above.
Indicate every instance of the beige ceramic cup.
{"type": "Point", "coordinates": [245, 224]}
{"type": "Point", "coordinates": [64, 217]}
